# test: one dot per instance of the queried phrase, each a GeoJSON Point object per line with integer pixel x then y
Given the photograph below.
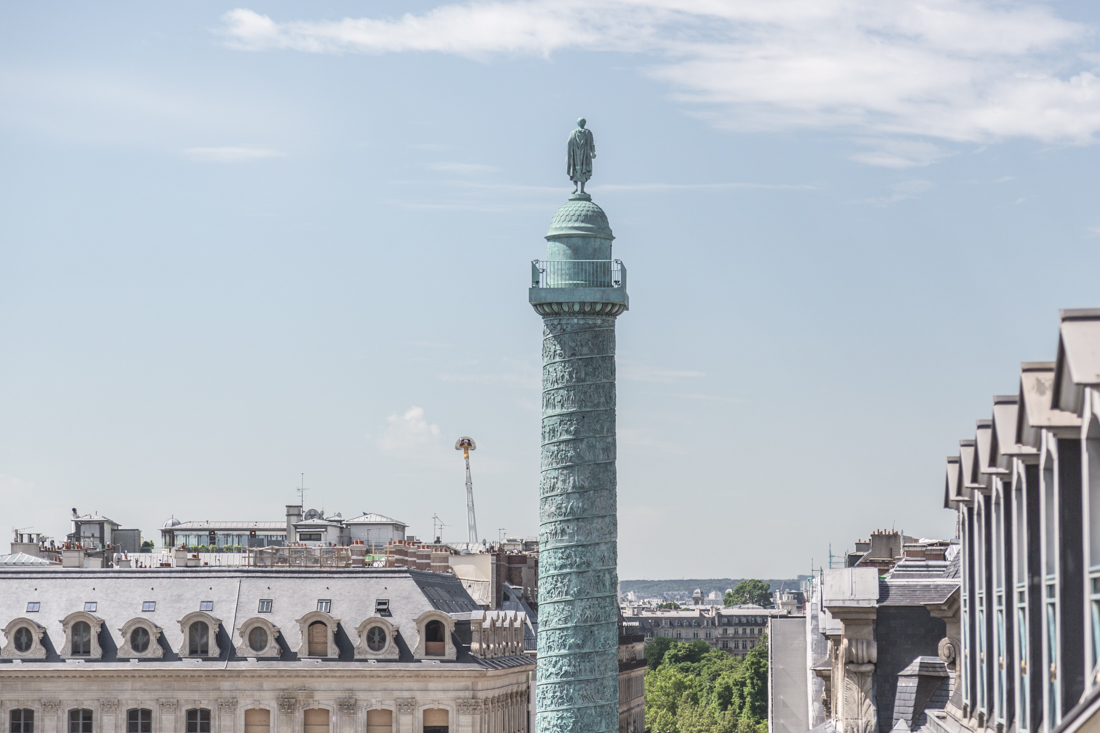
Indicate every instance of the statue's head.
{"type": "Point", "coordinates": [580, 123]}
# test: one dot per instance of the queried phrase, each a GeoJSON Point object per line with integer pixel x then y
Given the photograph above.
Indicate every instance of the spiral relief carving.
{"type": "Point", "coordinates": [578, 684]}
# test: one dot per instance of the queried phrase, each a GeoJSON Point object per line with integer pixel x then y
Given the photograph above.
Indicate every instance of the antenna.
{"type": "Point", "coordinates": [302, 492]}
{"type": "Point", "coordinates": [466, 445]}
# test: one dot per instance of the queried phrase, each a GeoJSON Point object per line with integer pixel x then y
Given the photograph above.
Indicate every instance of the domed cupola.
{"type": "Point", "coordinates": [579, 217]}
{"type": "Point", "coordinates": [172, 522]}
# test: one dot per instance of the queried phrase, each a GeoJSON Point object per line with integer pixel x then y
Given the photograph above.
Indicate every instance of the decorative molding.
{"type": "Point", "coordinates": [346, 705]}
{"type": "Point", "coordinates": [37, 650]}
{"type": "Point", "coordinates": [288, 705]}
{"type": "Point", "coordinates": [214, 650]}
{"type": "Point", "coordinates": [227, 704]}
{"type": "Point", "coordinates": [422, 621]}
{"type": "Point", "coordinates": [550, 310]}
{"type": "Point", "coordinates": [155, 650]}
{"type": "Point", "coordinates": [108, 706]}
{"type": "Point", "coordinates": [469, 706]}
{"type": "Point", "coordinates": [94, 622]}
{"type": "Point", "coordinates": [244, 649]}
{"type": "Point", "coordinates": [389, 651]}
{"type": "Point", "coordinates": [303, 628]}
{"type": "Point", "coordinates": [168, 705]}
{"type": "Point", "coordinates": [51, 706]}
{"type": "Point", "coordinates": [406, 705]}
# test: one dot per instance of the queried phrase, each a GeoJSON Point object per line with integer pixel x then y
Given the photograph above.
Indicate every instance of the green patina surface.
{"type": "Point", "coordinates": [578, 689]}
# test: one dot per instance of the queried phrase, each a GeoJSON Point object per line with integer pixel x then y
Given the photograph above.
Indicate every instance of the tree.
{"type": "Point", "coordinates": [669, 604]}
{"type": "Point", "coordinates": [655, 651]}
{"type": "Point", "coordinates": [147, 546]}
{"type": "Point", "coordinates": [752, 591]}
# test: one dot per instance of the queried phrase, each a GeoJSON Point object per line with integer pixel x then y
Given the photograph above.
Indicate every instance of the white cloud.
{"type": "Point", "coordinates": [900, 192]}
{"type": "Point", "coordinates": [408, 432]}
{"type": "Point", "coordinates": [231, 154]}
{"type": "Point", "coordinates": [465, 169]}
{"type": "Point", "coordinates": [636, 372]}
{"type": "Point", "coordinates": [950, 70]}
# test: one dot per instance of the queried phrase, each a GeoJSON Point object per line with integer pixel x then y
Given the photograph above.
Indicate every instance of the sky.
{"type": "Point", "coordinates": [240, 243]}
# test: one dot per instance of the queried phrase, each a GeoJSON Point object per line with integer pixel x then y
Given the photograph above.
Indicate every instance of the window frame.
{"type": "Point", "coordinates": [140, 724]}
{"type": "Point", "coordinates": [86, 722]}
{"type": "Point", "coordinates": [198, 725]}
{"type": "Point", "coordinates": [25, 725]}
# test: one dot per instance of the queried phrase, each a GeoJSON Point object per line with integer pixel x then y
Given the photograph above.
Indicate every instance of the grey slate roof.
{"type": "Point", "coordinates": [894, 592]}
{"type": "Point", "coordinates": [235, 594]}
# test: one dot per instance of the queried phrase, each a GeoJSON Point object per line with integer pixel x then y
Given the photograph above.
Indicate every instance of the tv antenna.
{"type": "Point", "coordinates": [302, 492]}
{"type": "Point", "coordinates": [466, 444]}
{"type": "Point", "coordinates": [437, 522]}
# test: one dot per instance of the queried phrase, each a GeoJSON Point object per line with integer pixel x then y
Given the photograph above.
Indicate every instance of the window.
{"type": "Point", "coordinates": [139, 720]}
{"type": "Point", "coordinates": [725, 644]}
{"type": "Point", "coordinates": [324, 605]}
{"type": "Point", "coordinates": [679, 634]}
{"type": "Point", "coordinates": [378, 721]}
{"type": "Point", "coordinates": [376, 638]}
{"type": "Point", "coordinates": [148, 605]}
{"type": "Point", "coordinates": [198, 720]}
{"type": "Point", "coordinates": [435, 721]}
{"type": "Point", "coordinates": [257, 638]}
{"type": "Point", "coordinates": [198, 641]}
{"type": "Point", "coordinates": [708, 634]}
{"type": "Point", "coordinates": [265, 605]}
{"type": "Point", "coordinates": [90, 606]}
{"type": "Point", "coordinates": [318, 639]}
{"type": "Point", "coordinates": [23, 640]}
{"type": "Point", "coordinates": [309, 536]}
{"type": "Point", "coordinates": [257, 720]}
{"type": "Point", "coordinates": [382, 606]}
{"type": "Point", "coordinates": [694, 634]}
{"type": "Point", "coordinates": [81, 640]}
{"type": "Point", "coordinates": [139, 642]}
{"type": "Point", "coordinates": [315, 720]}
{"type": "Point", "coordinates": [33, 606]}
{"type": "Point", "coordinates": [80, 720]}
{"type": "Point", "coordinates": [434, 644]}
{"type": "Point", "coordinates": [206, 605]}
{"type": "Point", "coordinates": [22, 720]}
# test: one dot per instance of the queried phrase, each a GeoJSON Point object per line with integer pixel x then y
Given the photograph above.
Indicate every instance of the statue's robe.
{"type": "Point", "coordinates": [582, 149]}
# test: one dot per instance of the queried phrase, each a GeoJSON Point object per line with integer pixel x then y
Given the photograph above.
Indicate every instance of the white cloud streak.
{"type": "Point", "coordinates": [959, 71]}
{"type": "Point", "coordinates": [408, 433]}
{"type": "Point", "coordinates": [232, 154]}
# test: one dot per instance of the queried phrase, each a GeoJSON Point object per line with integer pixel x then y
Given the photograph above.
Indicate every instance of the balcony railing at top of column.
{"type": "Point", "coordinates": [578, 274]}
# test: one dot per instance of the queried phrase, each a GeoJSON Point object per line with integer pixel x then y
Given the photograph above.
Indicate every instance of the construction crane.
{"type": "Point", "coordinates": [466, 445]}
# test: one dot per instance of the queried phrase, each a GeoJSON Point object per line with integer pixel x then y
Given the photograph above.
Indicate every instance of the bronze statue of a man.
{"type": "Point", "coordinates": [582, 149]}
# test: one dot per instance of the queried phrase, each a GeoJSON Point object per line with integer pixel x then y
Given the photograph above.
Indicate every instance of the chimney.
{"type": "Point", "coordinates": [293, 515]}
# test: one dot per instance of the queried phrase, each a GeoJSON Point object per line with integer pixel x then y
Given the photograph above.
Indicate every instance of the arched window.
{"type": "Point", "coordinates": [82, 640]}
{"type": "Point", "coordinates": [80, 719]}
{"type": "Point", "coordinates": [198, 719]}
{"type": "Point", "coordinates": [22, 720]}
{"type": "Point", "coordinates": [376, 638]}
{"type": "Point", "coordinates": [318, 639]}
{"type": "Point", "coordinates": [139, 720]}
{"type": "Point", "coordinates": [379, 721]}
{"type": "Point", "coordinates": [24, 640]}
{"type": "Point", "coordinates": [434, 644]}
{"type": "Point", "coordinates": [315, 720]}
{"type": "Point", "coordinates": [139, 640]}
{"type": "Point", "coordinates": [435, 720]}
{"type": "Point", "coordinates": [198, 645]}
{"type": "Point", "coordinates": [257, 720]}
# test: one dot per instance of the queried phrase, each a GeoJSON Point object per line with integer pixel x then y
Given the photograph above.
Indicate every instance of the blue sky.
{"type": "Point", "coordinates": [242, 242]}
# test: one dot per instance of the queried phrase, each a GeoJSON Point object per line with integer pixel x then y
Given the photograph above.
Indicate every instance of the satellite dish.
{"type": "Point", "coordinates": [312, 514]}
{"type": "Point", "coordinates": [465, 443]}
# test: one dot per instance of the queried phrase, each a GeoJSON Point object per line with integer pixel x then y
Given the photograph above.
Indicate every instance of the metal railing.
{"type": "Point", "coordinates": [578, 274]}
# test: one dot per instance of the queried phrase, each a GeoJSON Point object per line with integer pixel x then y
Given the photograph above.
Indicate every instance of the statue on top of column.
{"type": "Point", "coordinates": [582, 149]}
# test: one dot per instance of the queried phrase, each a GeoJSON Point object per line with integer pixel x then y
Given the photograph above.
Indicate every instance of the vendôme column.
{"type": "Point", "coordinates": [579, 291]}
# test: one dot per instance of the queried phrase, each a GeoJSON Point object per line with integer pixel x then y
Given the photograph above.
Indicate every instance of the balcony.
{"type": "Point", "coordinates": [578, 274]}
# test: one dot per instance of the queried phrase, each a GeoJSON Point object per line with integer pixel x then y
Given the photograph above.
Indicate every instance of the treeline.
{"type": "Point", "coordinates": [692, 688]}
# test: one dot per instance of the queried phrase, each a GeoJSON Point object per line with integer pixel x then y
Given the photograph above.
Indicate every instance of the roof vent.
{"type": "Point", "coordinates": [382, 606]}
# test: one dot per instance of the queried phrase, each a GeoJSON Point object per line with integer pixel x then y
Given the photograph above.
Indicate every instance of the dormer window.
{"type": "Point", "coordinates": [90, 606]}
{"type": "Point", "coordinates": [81, 639]}
{"type": "Point", "coordinates": [23, 639]}
{"type": "Point", "coordinates": [33, 606]}
{"type": "Point", "coordinates": [200, 634]}
{"type": "Point", "coordinates": [382, 606]}
{"type": "Point", "coordinates": [198, 639]}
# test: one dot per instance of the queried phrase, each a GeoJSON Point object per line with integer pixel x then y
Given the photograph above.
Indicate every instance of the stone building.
{"type": "Point", "coordinates": [257, 651]}
{"type": "Point", "coordinates": [735, 629]}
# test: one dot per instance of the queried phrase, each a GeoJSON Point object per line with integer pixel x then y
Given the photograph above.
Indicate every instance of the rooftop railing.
{"type": "Point", "coordinates": [578, 274]}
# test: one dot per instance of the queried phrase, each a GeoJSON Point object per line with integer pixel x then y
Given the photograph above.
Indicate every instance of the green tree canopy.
{"type": "Point", "coordinates": [750, 591]}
